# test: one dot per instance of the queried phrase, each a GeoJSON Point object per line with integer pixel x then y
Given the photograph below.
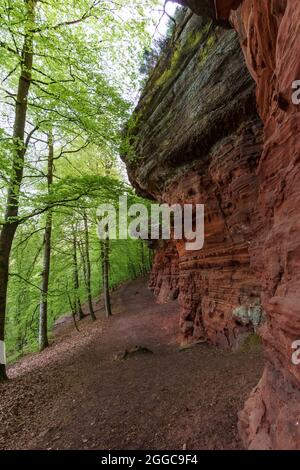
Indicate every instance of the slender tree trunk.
{"type": "Point", "coordinates": [73, 309]}
{"type": "Point", "coordinates": [76, 279]}
{"type": "Point", "coordinates": [105, 250]}
{"type": "Point", "coordinates": [43, 326]}
{"type": "Point", "coordinates": [131, 266]}
{"type": "Point", "coordinates": [143, 263]}
{"type": "Point", "coordinates": [12, 202]}
{"type": "Point", "coordinates": [150, 258]}
{"type": "Point", "coordinates": [105, 275]}
{"type": "Point", "coordinates": [19, 301]}
{"type": "Point", "coordinates": [88, 265]}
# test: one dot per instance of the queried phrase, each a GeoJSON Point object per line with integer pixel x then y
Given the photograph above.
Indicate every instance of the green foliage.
{"type": "Point", "coordinates": [86, 58]}
{"type": "Point", "coordinates": [128, 258]}
{"type": "Point", "coordinates": [126, 262]}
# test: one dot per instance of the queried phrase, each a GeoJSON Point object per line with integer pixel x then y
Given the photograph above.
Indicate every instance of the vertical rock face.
{"type": "Point", "coordinates": [270, 37]}
{"type": "Point", "coordinates": [218, 293]}
{"type": "Point", "coordinates": [269, 32]}
{"type": "Point", "coordinates": [197, 138]}
{"type": "Point", "coordinates": [164, 276]}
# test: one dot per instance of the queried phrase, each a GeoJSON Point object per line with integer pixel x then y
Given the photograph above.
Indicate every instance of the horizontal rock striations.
{"type": "Point", "coordinates": [199, 93]}
{"type": "Point", "coordinates": [196, 138]}
{"type": "Point", "coordinates": [270, 38]}
{"type": "Point", "coordinates": [269, 268]}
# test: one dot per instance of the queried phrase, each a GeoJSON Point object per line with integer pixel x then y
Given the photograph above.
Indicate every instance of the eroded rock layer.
{"type": "Point", "coordinates": [270, 37]}
{"type": "Point", "coordinates": [218, 293]}
{"type": "Point", "coordinates": [269, 32]}
{"type": "Point", "coordinates": [197, 139]}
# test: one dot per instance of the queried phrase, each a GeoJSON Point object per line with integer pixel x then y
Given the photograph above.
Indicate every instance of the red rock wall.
{"type": "Point", "coordinates": [269, 32]}
{"type": "Point", "coordinates": [218, 292]}
{"type": "Point", "coordinates": [270, 37]}
{"type": "Point", "coordinates": [252, 198]}
{"type": "Point", "coordinates": [197, 138]}
{"type": "Point", "coordinates": [165, 272]}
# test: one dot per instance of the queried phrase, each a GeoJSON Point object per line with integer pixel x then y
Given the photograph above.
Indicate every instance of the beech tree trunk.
{"type": "Point", "coordinates": [105, 258]}
{"type": "Point", "coordinates": [10, 224]}
{"type": "Point", "coordinates": [143, 267]}
{"type": "Point", "coordinates": [88, 266]}
{"type": "Point", "coordinates": [105, 276]}
{"type": "Point", "coordinates": [43, 326]}
{"type": "Point", "coordinates": [77, 303]}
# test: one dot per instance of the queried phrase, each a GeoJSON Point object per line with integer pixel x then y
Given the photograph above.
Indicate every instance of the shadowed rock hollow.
{"type": "Point", "coordinates": [196, 137]}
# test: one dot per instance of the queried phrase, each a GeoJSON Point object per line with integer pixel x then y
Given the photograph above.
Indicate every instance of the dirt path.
{"type": "Point", "coordinates": [77, 395]}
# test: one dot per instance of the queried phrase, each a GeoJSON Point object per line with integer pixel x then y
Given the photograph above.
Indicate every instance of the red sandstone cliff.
{"type": "Point", "coordinates": [198, 139]}
{"type": "Point", "coordinates": [270, 37]}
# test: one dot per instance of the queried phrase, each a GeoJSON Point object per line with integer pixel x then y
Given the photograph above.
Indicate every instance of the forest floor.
{"type": "Point", "coordinates": [79, 394]}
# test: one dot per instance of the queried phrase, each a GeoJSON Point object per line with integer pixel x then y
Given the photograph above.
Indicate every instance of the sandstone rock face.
{"type": "Point", "coordinates": [270, 37]}
{"type": "Point", "coordinates": [198, 139]}
{"type": "Point", "coordinates": [164, 277]}
{"type": "Point", "coordinates": [199, 93]}
{"type": "Point", "coordinates": [217, 10]}
{"type": "Point", "coordinates": [218, 292]}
